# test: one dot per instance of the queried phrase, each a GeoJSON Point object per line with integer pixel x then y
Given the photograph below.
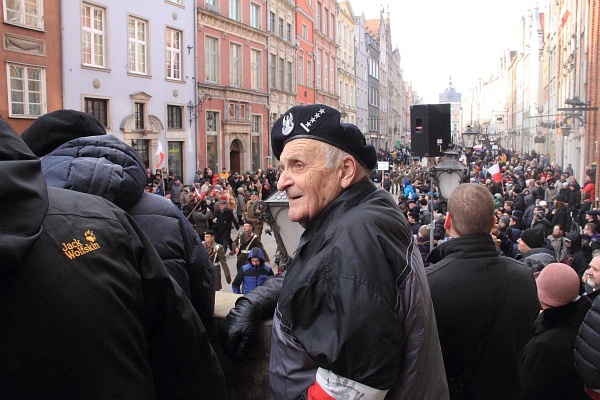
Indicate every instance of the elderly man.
{"type": "Point", "coordinates": [353, 314]}
{"type": "Point", "coordinates": [484, 304]}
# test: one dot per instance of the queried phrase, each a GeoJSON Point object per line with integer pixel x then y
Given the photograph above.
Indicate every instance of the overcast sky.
{"type": "Point", "coordinates": [438, 38]}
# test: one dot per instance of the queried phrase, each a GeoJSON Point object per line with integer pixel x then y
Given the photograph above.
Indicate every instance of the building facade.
{"type": "Point", "coordinates": [31, 77]}
{"type": "Point", "coordinates": [345, 62]}
{"type": "Point", "coordinates": [232, 48]}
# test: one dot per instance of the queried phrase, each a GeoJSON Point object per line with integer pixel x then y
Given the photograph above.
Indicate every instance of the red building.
{"type": "Point", "coordinates": [233, 126]}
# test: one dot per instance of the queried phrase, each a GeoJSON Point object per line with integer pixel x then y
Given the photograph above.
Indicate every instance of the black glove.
{"type": "Point", "coordinates": [228, 279]}
{"type": "Point", "coordinates": [237, 329]}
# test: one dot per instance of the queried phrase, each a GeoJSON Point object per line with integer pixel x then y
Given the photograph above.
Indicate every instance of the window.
{"type": "Point", "coordinates": [288, 32]}
{"type": "Point", "coordinates": [29, 13]}
{"type": "Point", "coordinates": [173, 54]}
{"type": "Point", "coordinates": [142, 149]}
{"type": "Point", "coordinates": [174, 117]}
{"type": "Point", "coordinates": [175, 157]}
{"type": "Point", "coordinates": [98, 108]}
{"type": "Point", "coordinates": [255, 125]}
{"type": "Point", "coordinates": [138, 111]}
{"type": "Point", "coordinates": [211, 59]}
{"type": "Point", "coordinates": [211, 121]}
{"type": "Point", "coordinates": [281, 74]}
{"type": "Point", "coordinates": [27, 90]}
{"type": "Point", "coordinates": [318, 69]}
{"type": "Point", "coordinates": [137, 46]}
{"type": "Point", "coordinates": [234, 9]}
{"type": "Point", "coordinates": [332, 27]}
{"type": "Point", "coordinates": [93, 36]}
{"type": "Point", "coordinates": [318, 16]}
{"type": "Point", "coordinates": [280, 25]}
{"type": "Point", "coordinates": [290, 76]}
{"type": "Point", "coordinates": [332, 75]}
{"type": "Point", "coordinates": [325, 72]}
{"type": "Point", "coordinates": [304, 31]}
{"type": "Point", "coordinates": [255, 69]}
{"type": "Point", "coordinates": [272, 21]}
{"type": "Point", "coordinates": [300, 70]}
{"type": "Point", "coordinates": [235, 64]}
{"type": "Point", "coordinates": [309, 73]}
{"type": "Point", "coordinates": [325, 19]}
{"type": "Point", "coordinates": [272, 70]}
{"type": "Point", "coordinates": [255, 16]}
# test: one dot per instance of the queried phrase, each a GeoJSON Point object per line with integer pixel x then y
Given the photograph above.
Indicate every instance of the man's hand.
{"type": "Point", "coordinates": [237, 329]}
{"type": "Point", "coordinates": [228, 279]}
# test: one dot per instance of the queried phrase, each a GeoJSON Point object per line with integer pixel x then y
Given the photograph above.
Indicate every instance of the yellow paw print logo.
{"type": "Point", "coordinates": [89, 236]}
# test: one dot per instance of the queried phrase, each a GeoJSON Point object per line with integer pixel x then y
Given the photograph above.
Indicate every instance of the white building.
{"type": "Point", "coordinates": [131, 64]}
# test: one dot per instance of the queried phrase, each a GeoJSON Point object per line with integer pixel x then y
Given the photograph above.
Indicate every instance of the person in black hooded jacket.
{"type": "Point", "coordinates": [78, 155]}
{"type": "Point", "coordinates": [88, 309]}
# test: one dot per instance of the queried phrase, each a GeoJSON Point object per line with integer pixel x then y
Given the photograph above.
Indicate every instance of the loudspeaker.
{"type": "Point", "coordinates": [429, 129]}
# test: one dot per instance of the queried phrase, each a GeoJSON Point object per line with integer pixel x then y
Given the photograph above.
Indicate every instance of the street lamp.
{"type": "Point", "coordinates": [274, 211]}
{"type": "Point", "coordinates": [448, 173]}
{"type": "Point", "coordinates": [468, 138]}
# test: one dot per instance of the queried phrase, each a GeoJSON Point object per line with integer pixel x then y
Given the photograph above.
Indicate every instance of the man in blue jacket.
{"type": "Point", "coordinates": [253, 274]}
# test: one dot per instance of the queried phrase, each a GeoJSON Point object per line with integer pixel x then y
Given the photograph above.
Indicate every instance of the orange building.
{"type": "Point", "coordinates": [325, 51]}
{"type": "Point", "coordinates": [31, 77]}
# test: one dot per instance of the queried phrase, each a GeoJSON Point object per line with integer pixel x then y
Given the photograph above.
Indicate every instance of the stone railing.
{"type": "Point", "coordinates": [249, 378]}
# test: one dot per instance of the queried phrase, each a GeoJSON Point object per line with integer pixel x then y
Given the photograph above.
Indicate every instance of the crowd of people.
{"type": "Point", "coordinates": [392, 293]}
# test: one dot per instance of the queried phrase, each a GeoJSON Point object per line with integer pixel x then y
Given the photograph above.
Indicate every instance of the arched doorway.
{"type": "Point", "coordinates": [235, 156]}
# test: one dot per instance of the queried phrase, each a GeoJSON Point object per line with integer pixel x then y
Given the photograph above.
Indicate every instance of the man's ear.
{"type": "Point", "coordinates": [448, 221]}
{"type": "Point", "coordinates": [347, 171]}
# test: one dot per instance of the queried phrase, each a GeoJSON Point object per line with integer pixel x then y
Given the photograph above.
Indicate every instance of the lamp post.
{"type": "Point", "coordinates": [468, 139]}
{"type": "Point", "coordinates": [274, 211]}
{"type": "Point", "coordinates": [448, 175]}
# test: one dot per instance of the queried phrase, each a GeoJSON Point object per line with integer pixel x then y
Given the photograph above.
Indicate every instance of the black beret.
{"type": "Point", "coordinates": [593, 213]}
{"type": "Point", "coordinates": [321, 122]}
{"type": "Point", "coordinates": [209, 232]}
{"type": "Point", "coordinates": [58, 127]}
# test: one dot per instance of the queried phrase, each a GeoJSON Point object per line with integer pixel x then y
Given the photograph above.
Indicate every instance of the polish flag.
{"type": "Point", "coordinates": [494, 170]}
{"type": "Point", "coordinates": [160, 154]}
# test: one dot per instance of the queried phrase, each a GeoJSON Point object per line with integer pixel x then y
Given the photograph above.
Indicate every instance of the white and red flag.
{"type": "Point", "coordinates": [494, 170]}
{"type": "Point", "coordinates": [160, 154]}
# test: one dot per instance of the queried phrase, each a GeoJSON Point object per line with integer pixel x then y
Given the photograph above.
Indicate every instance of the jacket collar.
{"type": "Point", "coordinates": [475, 246]}
{"type": "Point", "coordinates": [348, 199]}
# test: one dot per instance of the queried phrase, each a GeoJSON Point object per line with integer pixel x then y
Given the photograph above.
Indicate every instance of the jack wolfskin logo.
{"type": "Point", "coordinates": [77, 248]}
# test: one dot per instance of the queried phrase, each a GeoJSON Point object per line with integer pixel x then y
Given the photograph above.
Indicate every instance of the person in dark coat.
{"type": "Point", "coordinates": [423, 243]}
{"type": "Point", "coordinates": [88, 309]}
{"type": "Point", "coordinates": [560, 213]}
{"type": "Point", "coordinates": [547, 364]}
{"type": "Point", "coordinates": [253, 274]}
{"type": "Point", "coordinates": [78, 155]}
{"type": "Point", "coordinates": [577, 256]}
{"type": "Point", "coordinates": [340, 324]}
{"type": "Point", "coordinates": [223, 222]}
{"type": "Point", "coordinates": [478, 295]}
{"type": "Point", "coordinates": [587, 343]}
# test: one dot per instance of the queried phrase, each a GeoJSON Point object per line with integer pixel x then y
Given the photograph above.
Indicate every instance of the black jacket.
{"type": "Point", "coordinates": [587, 345]}
{"type": "Point", "coordinates": [88, 309]}
{"type": "Point", "coordinates": [107, 167]}
{"type": "Point", "coordinates": [464, 293]}
{"type": "Point", "coordinates": [547, 366]}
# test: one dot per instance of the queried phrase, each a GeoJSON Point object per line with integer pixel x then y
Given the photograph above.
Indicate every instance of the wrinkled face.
{"type": "Point", "coordinates": [593, 273]}
{"type": "Point", "coordinates": [309, 185]}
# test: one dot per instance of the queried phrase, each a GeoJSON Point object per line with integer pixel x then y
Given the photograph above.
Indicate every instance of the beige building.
{"type": "Point", "coordinates": [345, 59]}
